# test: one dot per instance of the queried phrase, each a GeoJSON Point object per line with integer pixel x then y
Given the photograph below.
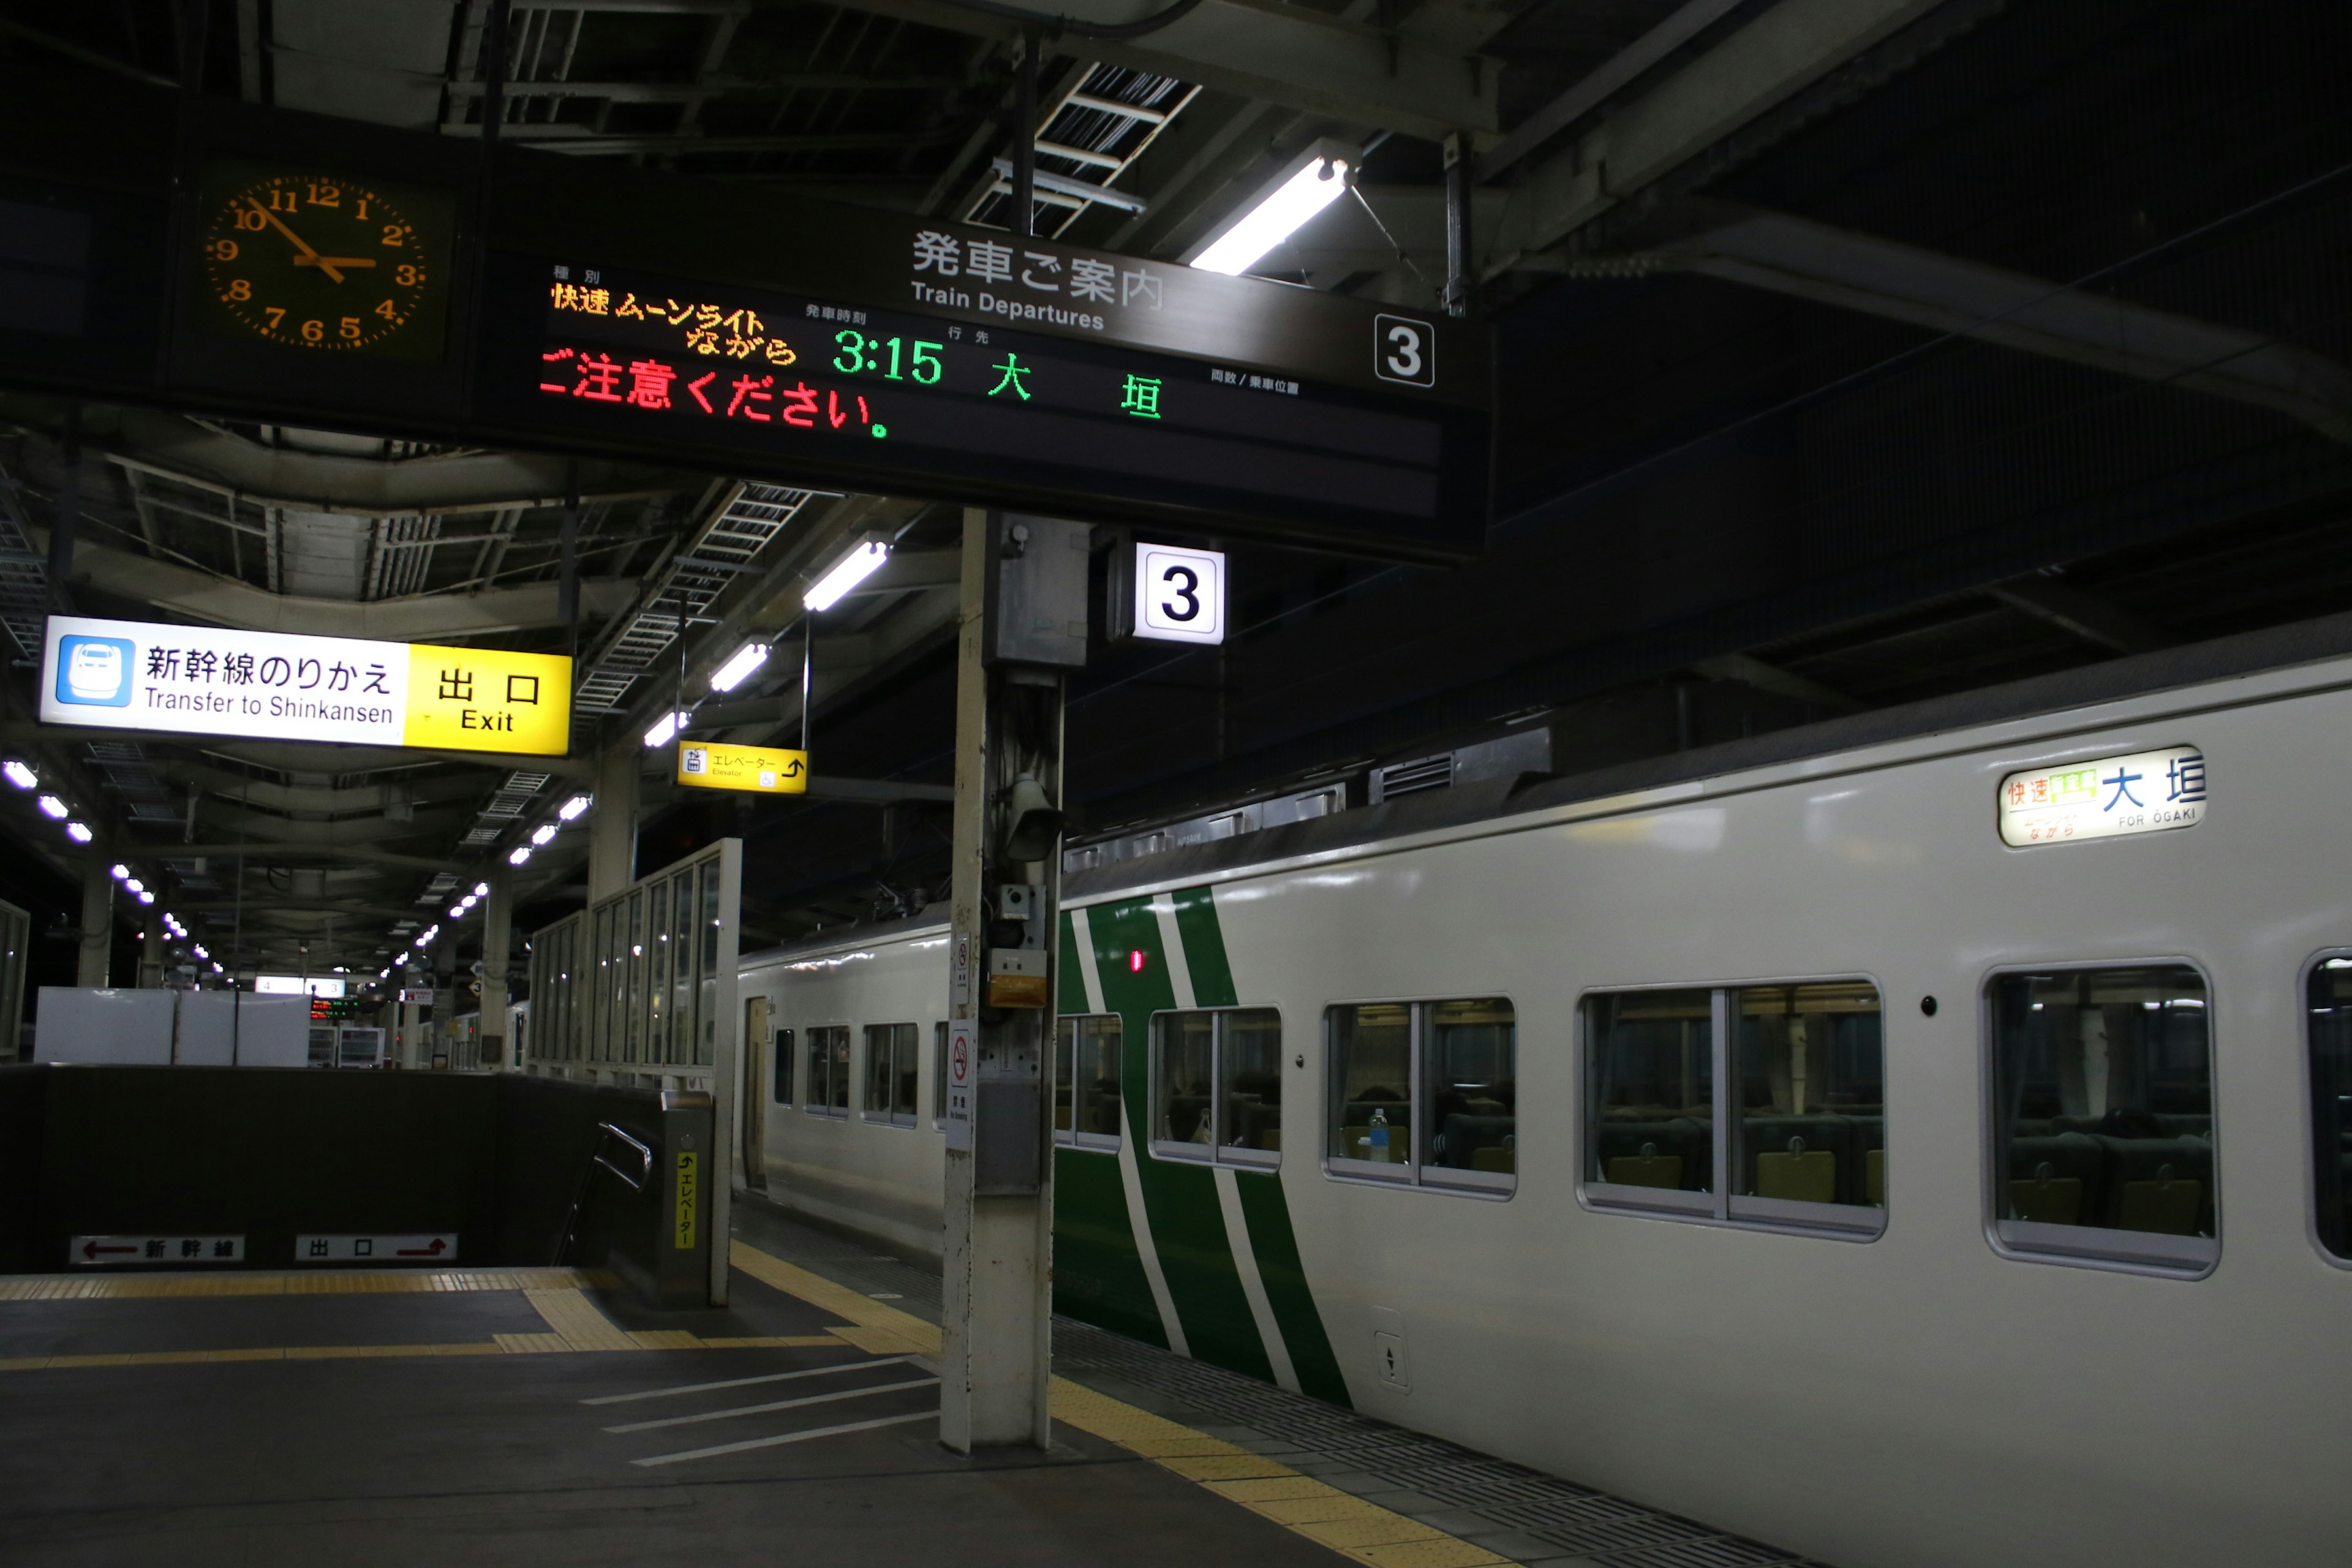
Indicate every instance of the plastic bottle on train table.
{"type": "Point", "coordinates": [1379, 1135]}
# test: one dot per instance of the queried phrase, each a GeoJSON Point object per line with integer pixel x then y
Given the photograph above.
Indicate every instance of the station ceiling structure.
{"type": "Point", "coordinates": [1849, 352]}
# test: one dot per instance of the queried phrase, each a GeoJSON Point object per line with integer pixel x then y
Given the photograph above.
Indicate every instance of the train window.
{"type": "Point", "coordinates": [783, 1059]}
{"type": "Point", "coordinates": [1811, 1072]}
{"type": "Point", "coordinates": [1425, 1092]}
{"type": "Point", "coordinates": [1085, 1080]}
{"type": "Point", "coordinates": [2103, 1115]}
{"type": "Point", "coordinates": [1649, 1063]}
{"type": "Point", "coordinates": [2329, 1001]}
{"type": "Point", "coordinates": [891, 1073]}
{"type": "Point", "coordinates": [1762, 1104]}
{"type": "Point", "coordinates": [828, 1071]}
{"type": "Point", "coordinates": [1217, 1085]}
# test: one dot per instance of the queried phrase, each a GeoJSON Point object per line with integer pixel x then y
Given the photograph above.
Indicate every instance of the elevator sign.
{"type": "Point", "coordinates": [219, 680]}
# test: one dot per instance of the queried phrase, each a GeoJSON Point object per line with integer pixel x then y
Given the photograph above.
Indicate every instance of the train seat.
{"type": "Point", "coordinates": [2159, 1184]}
{"type": "Point", "coordinates": [1673, 1152]}
{"type": "Point", "coordinates": [1798, 1159]}
{"type": "Point", "coordinates": [1464, 1139]}
{"type": "Point", "coordinates": [2054, 1179]}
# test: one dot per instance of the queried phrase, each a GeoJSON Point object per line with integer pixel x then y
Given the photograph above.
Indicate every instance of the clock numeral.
{"type": "Point", "coordinates": [395, 235]}
{"type": "Point", "coordinates": [281, 201]}
{"type": "Point", "coordinates": [277, 315]}
{"type": "Point", "coordinates": [351, 328]}
{"type": "Point", "coordinates": [222, 250]}
{"type": "Point", "coordinates": [387, 312]}
{"type": "Point", "coordinates": [326, 196]}
{"type": "Point", "coordinates": [363, 207]}
{"type": "Point", "coordinates": [313, 331]}
{"type": "Point", "coordinates": [240, 289]}
{"type": "Point", "coordinates": [408, 275]}
{"type": "Point", "coordinates": [251, 218]}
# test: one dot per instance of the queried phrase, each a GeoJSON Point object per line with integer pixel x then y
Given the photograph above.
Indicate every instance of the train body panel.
{"type": "Point", "coordinates": [1917, 1392]}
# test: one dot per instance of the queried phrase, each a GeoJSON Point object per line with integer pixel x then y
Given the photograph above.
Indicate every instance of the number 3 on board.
{"type": "Point", "coordinates": [1404, 350]}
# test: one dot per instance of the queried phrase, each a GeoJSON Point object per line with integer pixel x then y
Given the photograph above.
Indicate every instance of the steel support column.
{"type": "Point", "coordinates": [96, 926]}
{"type": "Point", "coordinates": [613, 829]}
{"type": "Point", "coordinates": [497, 935]}
{"type": "Point", "coordinates": [996, 1343]}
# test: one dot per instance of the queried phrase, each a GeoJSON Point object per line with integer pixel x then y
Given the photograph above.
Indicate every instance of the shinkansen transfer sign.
{"type": "Point", "coordinates": [214, 681]}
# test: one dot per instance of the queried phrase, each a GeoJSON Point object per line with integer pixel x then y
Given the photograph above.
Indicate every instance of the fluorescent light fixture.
{"type": "Point", "coordinates": [458, 912]}
{"type": "Point", "coordinates": [569, 811]}
{"type": "Point", "coordinates": [147, 898]}
{"type": "Point", "coordinates": [481, 890]}
{"type": "Point", "coordinates": [19, 774]}
{"type": "Point", "coordinates": [853, 569]}
{"type": "Point", "coordinates": [78, 834]}
{"type": "Point", "coordinates": [132, 884]}
{"type": "Point", "coordinates": [518, 854]}
{"type": "Point", "coordinates": [52, 807]}
{"type": "Point", "coordinates": [1310, 182]}
{"type": "Point", "coordinates": [122, 874]}
{"type": "Point", "coordinates": [665, 729]}
{"type": "Point", "coordinates": [737, 670]}
{"type": "Point", "coordinates": [545, 831]}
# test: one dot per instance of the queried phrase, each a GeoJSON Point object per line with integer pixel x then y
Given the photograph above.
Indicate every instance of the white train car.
{"type": "Point", "coordinates": [1918, 1141]}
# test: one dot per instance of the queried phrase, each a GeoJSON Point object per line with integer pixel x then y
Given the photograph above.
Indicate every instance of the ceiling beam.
{"type": "Point", "coordinates": [1754, 70]}
{"type": "Point", "coordinates": [1264, 49]}
{"type": "Point", "coordinates": [2088, 615]}
{"type": "Point", "coordinates": [1830, 265]}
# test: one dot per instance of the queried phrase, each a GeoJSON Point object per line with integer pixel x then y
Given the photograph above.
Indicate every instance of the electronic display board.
{"type": "Point", "coordinates": [824, 389]}
{"type": "Point", "coordinates": [247, 261]}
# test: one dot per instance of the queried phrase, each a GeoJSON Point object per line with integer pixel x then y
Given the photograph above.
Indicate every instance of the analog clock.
{"type": "Point", "coordinates": [322, 263]}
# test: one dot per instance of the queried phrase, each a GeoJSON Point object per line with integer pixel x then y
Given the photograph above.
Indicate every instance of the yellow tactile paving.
{"type": "Point", "coordinates": [575, 1318]}
{"type": "Point", "coordinates": [1373, 1535]}
{"type": "Point", "coordinates": [296, 1352]}
{"type": "Point", "coordinates": [166, 1287]}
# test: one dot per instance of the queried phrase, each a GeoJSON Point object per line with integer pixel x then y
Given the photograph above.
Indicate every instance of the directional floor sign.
{"type": "Point", "coordinates": [102, 1251]}
{"type": "Point", "coordinates": [430, 1247]}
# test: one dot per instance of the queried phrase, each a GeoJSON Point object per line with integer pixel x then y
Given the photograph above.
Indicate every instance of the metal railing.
{"type": "Point", "coordinates": [605, 1131]}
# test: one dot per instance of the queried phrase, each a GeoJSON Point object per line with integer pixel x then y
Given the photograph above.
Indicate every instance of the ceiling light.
{"type": "Point", "coordinates": [665, 728]}
{"type": "Point", "coordinates": [133, 885]}
{"type": "Point", "coordinates": [147, 898]}
{"type": "Point", "coordinates": [1314, 181]}
{"type": "Point", "coordinates": [51, 806]}
{"type": "Point", "coordinates": [122, 874]}
{"type": "Point", "coordinates": [199, 951]}
{"type": "Point", "coordinates": [737, 670]}
{"type": "Point", "coordinates": [78, 834]}
{"type": "Point", "coordinates": [19, 774]}
{"type": "Point", "coordinates": [545, 831]}
{"type": "Point", "coordinates": [481, 890]}
{"type": "Point", "coordinates": [570, 809]}
{"type": "Point", "coordinates": [518, 854]}
{"type": "Point", "coordinates": [458, 912]}
{"type": "Point", "coordinates": [854, 568]}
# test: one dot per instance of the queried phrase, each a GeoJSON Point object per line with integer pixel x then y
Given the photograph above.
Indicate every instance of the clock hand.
{"type": "Point", "coordinates": [309, 257]}
{"type": "Point", "coordinates": [334, 261]}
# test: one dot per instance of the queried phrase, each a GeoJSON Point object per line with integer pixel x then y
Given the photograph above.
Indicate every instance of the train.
{"type": "Point", "coordinates": [1922, 1137]}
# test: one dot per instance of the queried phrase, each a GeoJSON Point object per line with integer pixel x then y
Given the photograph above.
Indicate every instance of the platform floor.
{"type": "Point", "coordinates": [485, 1416]}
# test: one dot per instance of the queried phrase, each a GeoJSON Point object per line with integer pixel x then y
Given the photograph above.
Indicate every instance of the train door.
{"type": "Point", "coordinates": [754, 1100]}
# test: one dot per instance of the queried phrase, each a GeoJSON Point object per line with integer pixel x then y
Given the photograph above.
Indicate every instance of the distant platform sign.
{"type": "Point", "coordinates": [751, 768]}
{"type": "Point", "coordinates": [102, 1251]}
{"type": "Point", "coordinates": [218, 680]}
{"type": "Point", "coordinates": [2104, 797]}
{"type": "Point", "coordinates": [429, 1247]}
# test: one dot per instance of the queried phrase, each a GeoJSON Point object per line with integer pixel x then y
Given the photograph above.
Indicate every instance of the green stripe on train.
{"type": "Point", "coordinates": [1098, 1274]}
{"type": "Point", "coordinates": [1180, 1199]}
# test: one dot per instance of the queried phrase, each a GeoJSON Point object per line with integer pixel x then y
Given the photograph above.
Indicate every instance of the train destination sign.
{"type": "Point", "coordinates": [218, 680]}
{"type": "Point", "coordinates": [2106, 797]}
{"type": "Point", "coordinates": [206, 254]}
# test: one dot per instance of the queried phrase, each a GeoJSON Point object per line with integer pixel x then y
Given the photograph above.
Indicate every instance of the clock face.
{"type": "Point", "coordinates": [323, 264]}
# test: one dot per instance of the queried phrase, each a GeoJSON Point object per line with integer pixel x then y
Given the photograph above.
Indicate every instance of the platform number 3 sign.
{"type": "Point", "coordinates": [1173, 595]}
{"type": "Point", "coordinates": [1404, 350]}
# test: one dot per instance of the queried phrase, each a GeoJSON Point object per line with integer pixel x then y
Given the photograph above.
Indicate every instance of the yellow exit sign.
{"type": "Point", "coordinates": [742, 767]}
{"type": "Point", "coordinates": [488, 699]}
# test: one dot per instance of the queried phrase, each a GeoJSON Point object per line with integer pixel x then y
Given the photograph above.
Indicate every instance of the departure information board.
{"type": "Point", "coordinates": [241, 260]}
{"type": "Point", "coordinates": [955, 408]}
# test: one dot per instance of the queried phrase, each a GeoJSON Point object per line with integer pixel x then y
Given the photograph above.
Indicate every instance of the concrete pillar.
{"type": "Point", "coordinates": [96, 926]}
{"type": "Point", "coordinates": [498, 920]}
{"type": "Point", "coordinates": [996, 1346]}
{"type": "Point", "coordinates": [151, 954]}
{"type": "Point", "coordinates": [613, 821]}
{"type": "Point", "coordinates": [440, 1037]}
